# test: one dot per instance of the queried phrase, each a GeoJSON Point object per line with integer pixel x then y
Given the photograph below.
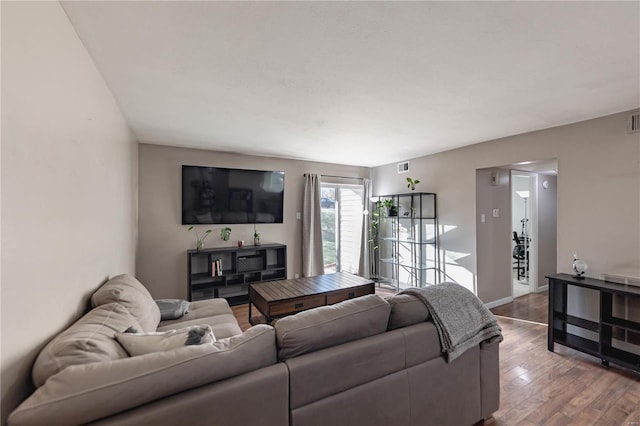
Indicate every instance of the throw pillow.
{"type": "Point", "coordinates": [143, 343]}
{"type": "Point", "coordinates": [171, 309]}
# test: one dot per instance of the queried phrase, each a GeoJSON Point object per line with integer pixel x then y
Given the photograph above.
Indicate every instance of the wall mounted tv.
{"type": "Point", "coordinates": [215, 195]}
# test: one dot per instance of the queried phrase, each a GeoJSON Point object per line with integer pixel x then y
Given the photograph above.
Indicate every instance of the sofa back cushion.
{"type": "Point", "coordinates": [406, 310]}
{"type": "Point", "coordinates": [90, 339]}
{"type": "Point", "coordinates": [130, 293]}
{"type": "Point", "coordinates": [332, 325]}
{"type": "Point", "coordinates": [85, 393]}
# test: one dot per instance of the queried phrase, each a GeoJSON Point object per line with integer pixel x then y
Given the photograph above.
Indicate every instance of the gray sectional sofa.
{"type": "Point", "coordinates": [366, 361]}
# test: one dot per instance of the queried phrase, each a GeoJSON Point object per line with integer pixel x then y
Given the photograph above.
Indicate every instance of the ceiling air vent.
{"type": "Point", "coordinates": [634, 122]}
{"type": "Point", "coordinates": [403, 167]}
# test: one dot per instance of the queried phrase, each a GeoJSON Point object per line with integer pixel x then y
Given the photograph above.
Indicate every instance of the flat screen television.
{"type": "Point", "coordinates": [215, 195]}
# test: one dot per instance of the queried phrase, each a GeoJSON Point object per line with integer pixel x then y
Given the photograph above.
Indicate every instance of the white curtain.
{"type": "Point", "coordinates": [364, 268]}
{"type": "Point", "coordinates": [312, 257]}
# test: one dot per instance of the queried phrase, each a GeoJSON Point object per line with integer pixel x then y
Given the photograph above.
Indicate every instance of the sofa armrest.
{"type": "Point", "coordinates": [84, 393]}
{"type": "Point", "coordinates": [490, 376]}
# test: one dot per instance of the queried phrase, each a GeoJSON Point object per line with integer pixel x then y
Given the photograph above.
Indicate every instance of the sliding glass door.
{"type": "Point", "coordinates": [341, 211]}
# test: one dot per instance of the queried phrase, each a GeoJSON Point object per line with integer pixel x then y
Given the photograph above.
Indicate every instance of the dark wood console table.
{"type": "Point", "coordinates": [286, 297]}
{"type": "Point", "coordinates": [607, 327]}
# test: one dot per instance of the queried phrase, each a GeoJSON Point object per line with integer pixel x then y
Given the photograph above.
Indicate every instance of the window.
{"type": "Point", "coordinates": [341, 212]}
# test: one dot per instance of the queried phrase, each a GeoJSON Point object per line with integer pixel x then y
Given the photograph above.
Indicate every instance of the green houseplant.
{"type": "Point", "coordinates": [199, 239]}
{"type": "Point", "coordinates": [412, 183]}
{"type": "Point", "coordinates": [225, 233]}
{"type": "Point", "coordinates": [392, 209]}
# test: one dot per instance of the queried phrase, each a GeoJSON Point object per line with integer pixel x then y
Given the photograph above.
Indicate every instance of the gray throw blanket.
{"type": "Point", "coordinates": [462, 320]}
{"type": "Point", "coordinates": [171, 309]}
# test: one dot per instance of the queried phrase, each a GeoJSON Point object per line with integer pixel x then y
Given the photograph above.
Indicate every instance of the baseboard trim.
{"type": "Point", "coordinates": [499, 302]}
{"type": "Point", "coordinates": [543, 288]}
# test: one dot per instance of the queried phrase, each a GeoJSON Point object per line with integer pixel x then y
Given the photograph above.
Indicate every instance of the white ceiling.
{"type": "Point", "coordinates": [362, 83]}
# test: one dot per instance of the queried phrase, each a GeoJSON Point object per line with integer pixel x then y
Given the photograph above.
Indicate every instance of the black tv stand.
{"type": "Point", "coordinates": [228, 271]}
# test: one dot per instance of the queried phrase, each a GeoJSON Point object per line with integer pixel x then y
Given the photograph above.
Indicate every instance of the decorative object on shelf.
{"type": "Point", "coordinates": [199, 239]}
{"type": "Point", "coordinates": [225, 233]}
{"type": "Point", "coordinates": [580, 266]}
{"type": "Point", "coordinates": [256, 236]}
{"type": "Point", "coordinates": [412, 183]}
{"type": "Point", "coordinates": [240, 243]}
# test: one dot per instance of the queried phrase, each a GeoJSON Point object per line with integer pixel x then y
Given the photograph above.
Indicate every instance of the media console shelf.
{"type": "Point", "coordinates": [228, 271]}
{"type": "Point", "coordinates": [608, 328]}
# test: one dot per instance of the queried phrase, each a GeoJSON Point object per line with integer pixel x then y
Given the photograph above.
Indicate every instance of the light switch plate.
{"type": "Point", "coordinates": [496, 212]}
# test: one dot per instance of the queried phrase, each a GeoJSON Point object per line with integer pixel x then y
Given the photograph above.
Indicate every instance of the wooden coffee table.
{"type": "Point", "coordinates": [279, 298]}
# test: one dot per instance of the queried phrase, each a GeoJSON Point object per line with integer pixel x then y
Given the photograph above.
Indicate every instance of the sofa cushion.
{"type": "Point", "coordinates": [130, 293]}
{"type": "Point", "coordinates": [406, 310]}
{"type": "Point", "coordinates": [71, 396]}
{"type": "Point", "coordinates": [332, 325]}
{"type": "Point", "coordinates": [143, 343]}
{"type": "Point", "coordinates": [334, 370]}
{"type": "Point", "coordinates": [90, 339]}
{"type": "Point", "coordinates": [200, 310]}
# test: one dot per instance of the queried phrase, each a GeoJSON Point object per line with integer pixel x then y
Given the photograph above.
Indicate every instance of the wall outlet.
{"type": "Point", "coordinates": [496, 212]}
{"type": "Point", "coordinates": [298, 215]}
{"type": "Point", "coordinates": [482, 217]}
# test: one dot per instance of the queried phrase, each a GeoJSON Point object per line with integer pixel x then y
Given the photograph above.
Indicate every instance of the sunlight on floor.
{"type": "Point", "coordinates": [520, 289]}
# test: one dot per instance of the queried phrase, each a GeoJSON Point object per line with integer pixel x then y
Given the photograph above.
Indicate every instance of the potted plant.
{"type": "Point", "coordinates": [225, 233]}
{"type": "Point", "coordinates": [199, 239]}
{"type": "Point", "coordinates": [256, 236]}
{"type": "Point", "coordinates": [412, 183]}
{"type": "Point", "coordinates": [392, 209]}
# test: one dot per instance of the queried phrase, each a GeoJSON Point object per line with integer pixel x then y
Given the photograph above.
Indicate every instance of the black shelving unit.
{"type": "Point", "coordinates": [238, 268]}
{"type": "Point", "coordinates": [608, 329]}
{"type": "Point", "coordinates": [406, 240]}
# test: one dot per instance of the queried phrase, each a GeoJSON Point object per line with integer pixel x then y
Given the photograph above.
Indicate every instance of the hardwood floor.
{"type": "Point", "coordinates": [564, 387]}
{"type": "Point", "coordinates": [530, 307]}
{"type": "Point", "coordinates": [241, 312]}
{"type": "Point", "coordinates": [539, 387]}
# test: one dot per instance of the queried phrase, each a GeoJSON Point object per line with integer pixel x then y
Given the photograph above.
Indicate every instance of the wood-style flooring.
{"type": "Point", "coordinates": [538, 387]}
{"type": "Point", "coordinates": [530, 307]}
{"type": "Point", "coordinates": [565, 387]}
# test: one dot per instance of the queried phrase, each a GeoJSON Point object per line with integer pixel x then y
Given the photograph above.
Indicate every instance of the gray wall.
{"type": "Point", "coordinates": [493, 234]}
{"type": "Point", "coordinates": [161, 261]}
{"type": "Point", "coordinates": [69, 184]}
{"type": "Point", "coordinates": [598, 195]}
{"type": "Point", "coordinates": [547, 228]}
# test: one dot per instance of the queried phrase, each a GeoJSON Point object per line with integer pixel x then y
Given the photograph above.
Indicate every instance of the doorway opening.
{"type": "Point", "coordinates": [524, 225]}
{"type": "Point", "coordinates": [500, 263]}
